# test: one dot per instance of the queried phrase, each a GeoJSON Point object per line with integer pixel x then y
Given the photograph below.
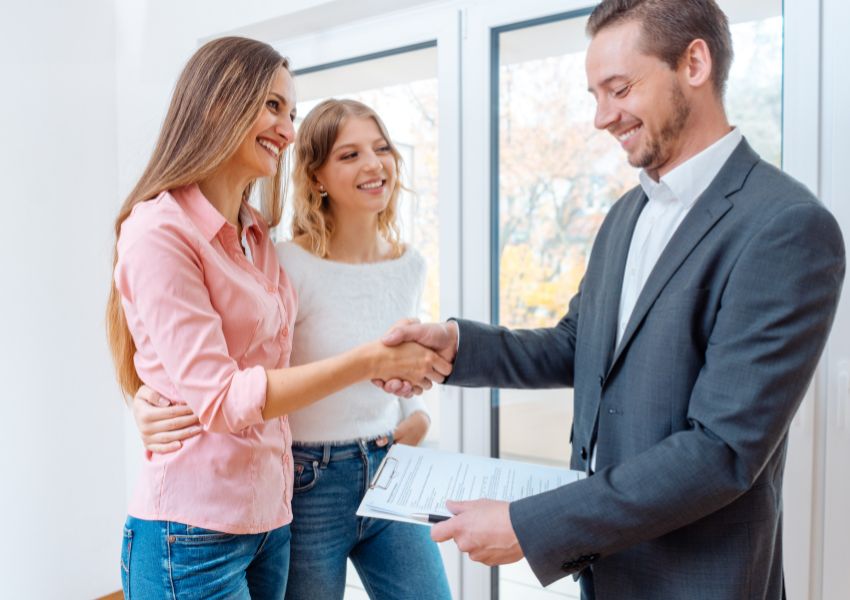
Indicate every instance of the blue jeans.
{"type": "Point", "coordinates": [163, 559]}
{"type": "Point", "coordinates": [395, 561]}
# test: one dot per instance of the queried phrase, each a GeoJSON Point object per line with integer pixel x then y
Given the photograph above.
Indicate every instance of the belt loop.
{"type": "Point", "coordinates": [326, 455]}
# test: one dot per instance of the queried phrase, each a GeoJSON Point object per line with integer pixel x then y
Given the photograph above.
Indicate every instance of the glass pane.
{"type": "Point", "coordinates": [557, 179]}
{"type": "Point", "coordinates": [402, 88]}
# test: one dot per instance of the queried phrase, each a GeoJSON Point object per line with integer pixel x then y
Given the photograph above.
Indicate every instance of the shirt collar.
{"type": "Point", "coordinates": [686, 182]}
{"type": "Point", "coordinates": [207, 218]}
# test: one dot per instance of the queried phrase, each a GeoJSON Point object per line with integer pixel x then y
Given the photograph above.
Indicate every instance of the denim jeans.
{"type": "Point", "coordinates": [395, 561]}
{"type": "Point", "coordinates": [164, 559]}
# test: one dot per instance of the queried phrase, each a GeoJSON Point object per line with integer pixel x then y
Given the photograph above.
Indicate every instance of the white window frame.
{"type": "Point", "coordinates": [384, 34]}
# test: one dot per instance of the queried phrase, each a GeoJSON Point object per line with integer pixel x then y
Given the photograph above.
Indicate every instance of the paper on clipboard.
{"type": "Point", "coordinates": [419, 480]}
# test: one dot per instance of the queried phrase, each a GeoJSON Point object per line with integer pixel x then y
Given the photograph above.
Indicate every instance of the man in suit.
{"type": "Point", "coordinates": [707, 301]}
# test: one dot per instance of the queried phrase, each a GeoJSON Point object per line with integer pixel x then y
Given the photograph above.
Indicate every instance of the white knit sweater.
{"type": "Point", "coordinates": [340, 306]}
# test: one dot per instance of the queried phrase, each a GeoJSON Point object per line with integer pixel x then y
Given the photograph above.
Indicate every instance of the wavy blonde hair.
{"type": "Point", "coordinates": [316, 136]}
{"type": "Point", "coordinates": [215, 102]}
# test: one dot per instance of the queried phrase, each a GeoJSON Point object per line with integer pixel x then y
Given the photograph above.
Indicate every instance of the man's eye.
{"type": "Point", "coordinates": [621, 92]}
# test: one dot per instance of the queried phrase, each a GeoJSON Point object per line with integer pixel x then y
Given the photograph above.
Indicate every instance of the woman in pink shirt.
{"type": "Point", "coordinates": [201, 312]}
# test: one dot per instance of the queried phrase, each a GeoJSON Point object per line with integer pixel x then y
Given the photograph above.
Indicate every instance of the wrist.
{"type": "Point", "coordinates": [370, 359]}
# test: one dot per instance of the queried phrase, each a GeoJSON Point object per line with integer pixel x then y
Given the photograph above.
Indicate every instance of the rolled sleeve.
{"type": "Point", "coordinates": [160, 277]}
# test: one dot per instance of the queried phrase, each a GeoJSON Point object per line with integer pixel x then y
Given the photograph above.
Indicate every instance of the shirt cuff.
{"type": "Point", "coordinates": [245, 400]}
{"type": "Point", "coordinates": [457, 346]}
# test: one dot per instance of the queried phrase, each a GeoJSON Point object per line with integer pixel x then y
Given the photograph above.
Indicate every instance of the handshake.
{"type": "Point", "coordinates": [412, 356]}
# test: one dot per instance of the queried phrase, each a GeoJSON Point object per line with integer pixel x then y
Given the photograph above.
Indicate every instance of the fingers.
{"type": "Point", "coordinates": [442, 366]}
{"type": "Point", "coordinates": [442, 532]}
{"type": "Point", "coordinates": [163, 448]}
{"type": "Point", "coordinates": [165, 441]}
{"type": "Point", "coordinates": [177, 435]}
{"type": "Point", "coordinates": [177, 423]}
{"type": "Point", "coordinates": [150, 414]}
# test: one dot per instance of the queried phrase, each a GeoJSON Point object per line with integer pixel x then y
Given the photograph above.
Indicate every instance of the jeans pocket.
{"type": "Point", "coordinates": [306, 475]}
{"type": "Point", "coordinates": [126, 549]}
{"type": "Point", "coordinates": [198, 535]}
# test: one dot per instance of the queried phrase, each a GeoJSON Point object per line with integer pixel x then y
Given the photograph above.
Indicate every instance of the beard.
{"type": "Point", "coordinates": [671, 130]}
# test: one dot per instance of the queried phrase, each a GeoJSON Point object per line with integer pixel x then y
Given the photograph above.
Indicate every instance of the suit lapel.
{"type": "Point", "coordinates": [708, 209]}
{"type": "Point", "coordinates": [618, 253]}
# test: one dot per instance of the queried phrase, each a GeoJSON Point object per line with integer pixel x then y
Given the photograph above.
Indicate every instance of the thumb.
{"type": "Point", "coordinates": [442, 532]}
{"type": "Point", "coordinates": [402, 333]}
{"type": "Point", "coordinates": [152, 397]}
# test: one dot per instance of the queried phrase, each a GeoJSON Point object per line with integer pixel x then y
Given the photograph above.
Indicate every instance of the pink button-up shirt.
{"type": "Point", "coordinates": [207, 323]}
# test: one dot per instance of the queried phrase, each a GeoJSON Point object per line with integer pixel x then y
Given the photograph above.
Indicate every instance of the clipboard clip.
{"type": "Point", "coordinates": [387, 467]}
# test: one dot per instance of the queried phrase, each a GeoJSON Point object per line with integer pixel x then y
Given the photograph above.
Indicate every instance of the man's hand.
{"type": "Point", "coordinates": [413, 429]}
{"type": "Point", "coordinates": [481, 528]}
{"type": "Point", "coordinates": [439, 337]}
{"type": "Point", "coordinates": [162, 426]}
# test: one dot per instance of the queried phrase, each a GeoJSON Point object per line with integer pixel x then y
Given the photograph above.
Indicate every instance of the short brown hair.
{"type": "Point", "coordinates": [668, 28]}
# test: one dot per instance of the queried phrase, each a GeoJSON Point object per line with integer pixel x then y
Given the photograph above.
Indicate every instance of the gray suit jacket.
{"type": "Point", "coordinates": [691, 410]}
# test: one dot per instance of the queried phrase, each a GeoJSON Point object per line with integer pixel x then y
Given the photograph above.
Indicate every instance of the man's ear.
{"type": "Point", "coordinates": [696, 64]}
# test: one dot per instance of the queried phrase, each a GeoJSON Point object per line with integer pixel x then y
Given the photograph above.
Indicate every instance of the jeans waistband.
{"type": "Point", "coordinates": [328, 452]}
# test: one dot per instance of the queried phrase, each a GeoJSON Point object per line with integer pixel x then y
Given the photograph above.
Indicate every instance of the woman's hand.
{"type": "Point", "coordinates": [163, 427]}
{"type": "Point", "coordinates": [412, 430]}
{"type": "Point", "coordinates": [409, 362]}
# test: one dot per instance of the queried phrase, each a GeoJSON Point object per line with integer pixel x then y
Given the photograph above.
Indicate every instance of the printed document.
{"type": "Point", "coordinates": [414, 480]}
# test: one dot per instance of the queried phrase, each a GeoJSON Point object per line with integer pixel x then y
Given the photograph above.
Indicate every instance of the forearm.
{"type": "Point", "coordinates": [490, 356]}
{"type": "Point", "coordinates": [292, 388]}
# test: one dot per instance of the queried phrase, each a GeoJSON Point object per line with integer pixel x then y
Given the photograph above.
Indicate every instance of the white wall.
{"type": "Point", "coordinates": [61, 453]}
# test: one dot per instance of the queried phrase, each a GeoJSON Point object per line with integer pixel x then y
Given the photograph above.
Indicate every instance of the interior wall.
{"type": "Point", "coordinates": [61, 453]}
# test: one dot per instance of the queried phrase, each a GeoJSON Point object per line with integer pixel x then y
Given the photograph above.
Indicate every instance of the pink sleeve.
{"type": "Point", "coordinates": [161, 282]}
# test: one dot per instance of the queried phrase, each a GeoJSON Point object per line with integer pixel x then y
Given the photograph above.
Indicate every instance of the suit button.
{"type": "Point", "coordinates": [583, 453]}
{"type": "Point", "coordinates": [601, 381]}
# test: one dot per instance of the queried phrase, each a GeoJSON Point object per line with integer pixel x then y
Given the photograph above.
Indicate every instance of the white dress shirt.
{"type": "Point", "coordinates": [670, 200]}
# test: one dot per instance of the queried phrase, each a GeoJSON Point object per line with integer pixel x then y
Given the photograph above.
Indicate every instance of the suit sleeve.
{"type": "Point", "coordinates": [776, 312]}
{"type": "Point", "coordinates": [491, 356]}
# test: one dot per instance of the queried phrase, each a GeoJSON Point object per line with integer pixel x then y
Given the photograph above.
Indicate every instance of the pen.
{"type": "Point", "coordinates": [430, 517]}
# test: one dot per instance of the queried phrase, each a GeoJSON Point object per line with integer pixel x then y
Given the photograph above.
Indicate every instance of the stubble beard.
{"type": "Point", "coordinates": [658, 150]}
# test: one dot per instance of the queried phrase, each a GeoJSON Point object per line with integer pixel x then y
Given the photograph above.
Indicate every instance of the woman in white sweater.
{"type": "Point", "coordinates": [354, 279]}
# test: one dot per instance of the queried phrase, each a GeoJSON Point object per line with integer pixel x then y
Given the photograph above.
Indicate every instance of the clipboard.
{"type": "Point", "coordinates": [414, 480]}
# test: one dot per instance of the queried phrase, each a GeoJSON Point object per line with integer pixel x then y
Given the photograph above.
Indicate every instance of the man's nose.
{"type": "Point", "coordinates": [606, 114]}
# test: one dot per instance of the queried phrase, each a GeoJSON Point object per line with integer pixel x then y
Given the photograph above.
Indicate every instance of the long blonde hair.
{"type": "Point", "coordinates": [313, 144]}
{"type": "Point", "coordinates": [216, 100]}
